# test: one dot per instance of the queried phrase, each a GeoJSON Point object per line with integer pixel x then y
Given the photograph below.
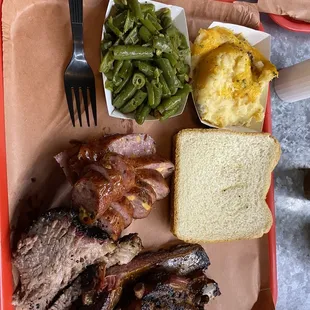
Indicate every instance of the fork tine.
{"type": "Point", "coordinates": [78, 104]}
{"type": "Point", "coordinates": [68, 91]}
{"type": "Point", "coordinates": [85, 99]}
{"type": "Point", "coordinates": [92, 94]}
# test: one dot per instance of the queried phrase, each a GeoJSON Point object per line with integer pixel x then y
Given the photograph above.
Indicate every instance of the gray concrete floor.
{"type": "Point", "coordinates": [291, 125]}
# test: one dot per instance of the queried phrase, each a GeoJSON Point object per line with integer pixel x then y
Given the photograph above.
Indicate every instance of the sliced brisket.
{"type": "Point", "coordinates": [69, 295]}
{"type": "Point", "coordinates": [56, 249]}
{"type": "Point", "coordinates": [86, 287]}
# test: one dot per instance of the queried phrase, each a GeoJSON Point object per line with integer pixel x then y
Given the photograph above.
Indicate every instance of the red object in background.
{"type": "Point", "coordinates": [290, 23]}
{"type": "Point", "coordinates": [6, 282]}
{"type": "Point", "coordinates": [6, 285]}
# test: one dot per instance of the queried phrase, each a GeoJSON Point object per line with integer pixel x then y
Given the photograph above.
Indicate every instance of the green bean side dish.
{"type": "Point", "coordinates": [143, 58]}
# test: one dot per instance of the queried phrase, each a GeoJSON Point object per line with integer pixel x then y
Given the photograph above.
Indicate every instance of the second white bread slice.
{"type": "Point", "coordinates": [221, 182]}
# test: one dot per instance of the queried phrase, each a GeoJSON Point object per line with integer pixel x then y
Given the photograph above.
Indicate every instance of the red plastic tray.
{"type": "Point", "coordinates": [290, 23]}
{"type": "Point", "coordinates": [6, 285]}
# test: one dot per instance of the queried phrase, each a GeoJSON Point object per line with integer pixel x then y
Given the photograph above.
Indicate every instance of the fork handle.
{"type": "Point", "coordinates": [76, 17]}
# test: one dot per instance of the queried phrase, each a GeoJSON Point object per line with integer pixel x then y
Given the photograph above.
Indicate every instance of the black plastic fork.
{"type": "Point", "coordinates": [79, 77]}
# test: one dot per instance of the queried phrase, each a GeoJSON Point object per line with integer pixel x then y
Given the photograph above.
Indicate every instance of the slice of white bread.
{"type": "Point", "coordinates": [220, 186]}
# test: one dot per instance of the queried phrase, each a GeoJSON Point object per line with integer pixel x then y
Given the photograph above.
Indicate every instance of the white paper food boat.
{"type": "Point", "coordinates": [179, 21]}
{"type": "Point", "coordinates": [261, 41]}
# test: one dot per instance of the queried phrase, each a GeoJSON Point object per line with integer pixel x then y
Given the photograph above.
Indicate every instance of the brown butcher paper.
{"type": "Point", "coordinates": [297, 9]}
{"type": "Point", "coordinates": [37, 47]}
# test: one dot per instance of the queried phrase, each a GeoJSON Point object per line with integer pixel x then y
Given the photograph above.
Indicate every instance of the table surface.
{"type": "Point", "coordinates": [291, 126]}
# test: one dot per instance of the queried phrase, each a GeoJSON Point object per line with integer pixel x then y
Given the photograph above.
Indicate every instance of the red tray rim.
{"type": "Point", "coordinates": [6, 283]}
{"type": "Point", "coordinates": [290, 24]}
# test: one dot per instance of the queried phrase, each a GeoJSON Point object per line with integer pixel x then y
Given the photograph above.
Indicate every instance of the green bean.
{"type": "Point", "coordinates": [132, 37]}
{"type": "Point", "coordinates": [126, 66]}
{"type": "Point", "coordinates": [135, 102]}
{"type": "Point", "coordinates": [169, 113]}
{"type": "Point", "coordinates": [118, 42]}
{"type": "Point", "coordinates": [145, 34]}
{"type": "Point", "coordinates": [162, 11]}
{"type": "Point", "coordinates": [175, 53]}
{"type": "Point", "coordinates": [127, 93]}
{"type": "Point", "coordinates": [113, 28]}
{"type": "Point", "coordinates": [107, 62]}
{"type": "Point", "coordinates": [120, 19]}
{"type": "Point", "coordinates": [121, 3]}
{"type": "Point", "coordinates": [165, 17]}
{"type": "Point", "coordinates": [184, 53]}
{"type": "Point", "coordinates": [149, 25]}
{"type": "Point", "coordinates": [135, 7]}
{"type": "Point", "coordinates": [162, 44]}
{"type": "Point", "coordinates": [157, 73]}
{"type": "Point", "coordinates": [159, 13]}
{"type": "Point", "coordinates": [173, 60]}
{"type": "Point", "coordinates": [174, 101]}
{"type": "Point", "coordinates": [120, 86]}
{"type": "Point", "coordinates": [169, 74]}
{"type": "Point", "coordinates": [109, 85]}
{"type": "Point", "coordinates": [182, 68]}
{"type": "Point", "coordinates": [154, 21]}
{"type": "Point", "coordinates": [117, 66]}
{"type": "Point", "coordinates": [147, 7]}
{"type": "Point", "coordinates": [126, 77]}
{"type": "Point", "coordinates": [165, 88]}
{"type": "Point", "coordinates": [139, 110]}
{"type": "Point", "coordinates": [157, 88]}
{"type": "Point", "coordinates": [145, 68]}
{"type": "Point", "coordinates": [139, 38]}
{"type": "Point", "coordinates": [150, 94]}
{"type": "Point", "coordinates": [108, 37]}
{"type": "Point", "coordinates": [109, 74]}
{"type": "Point", "coordinates": [183, 92]}
{"type": "Point", "coordinates": [183, 40]}
{"type": "Point", "coordinates": [138, 80]}
{"type": "Point", "coordinates": [158, 53]}
{"type": "Point", "coordinates": [169, 104]}
{"type": "Point", "coordinates": [173, 33]}
{"type": "Point", "coordinates": [105, 45]}
{"type": "Point", "coordinates": [124, 52]}
{"type": "Point", "coordinates": [130, 21]}
{"type": "Point", "coordinates": [117, 81]}
{"type": "Point", "coordinates": [141, 113]}
{"type": "Point", "coordinates": [183, 77]}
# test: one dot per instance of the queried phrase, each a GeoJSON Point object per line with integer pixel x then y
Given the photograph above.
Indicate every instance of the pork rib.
{"type": "Point", "coordinates": [180, 260]}
{"type": "Point", "coordinates": [167, 291]}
